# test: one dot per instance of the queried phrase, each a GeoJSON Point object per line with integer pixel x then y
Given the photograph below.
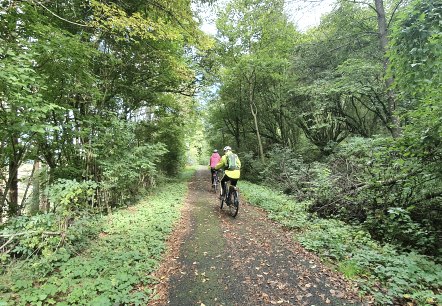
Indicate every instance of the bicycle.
{"type": "Point", "coordinates": [215, 181]}
{"type": "Point", "coordinates": [231, 198]}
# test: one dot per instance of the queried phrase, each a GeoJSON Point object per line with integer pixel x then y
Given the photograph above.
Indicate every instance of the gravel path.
{"type": "Point", "coordinates": [215, 259]}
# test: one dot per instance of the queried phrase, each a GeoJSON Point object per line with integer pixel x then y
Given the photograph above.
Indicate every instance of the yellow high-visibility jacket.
{"type": "Point", "coordinates": [235, 174]}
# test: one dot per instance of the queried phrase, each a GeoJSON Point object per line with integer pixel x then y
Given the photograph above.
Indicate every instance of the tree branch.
{"type": "Point", "coordinates": [59, 17]}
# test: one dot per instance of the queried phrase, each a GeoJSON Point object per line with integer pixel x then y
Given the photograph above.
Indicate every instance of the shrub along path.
{"type": "Point", "coordinates": [215, 259]}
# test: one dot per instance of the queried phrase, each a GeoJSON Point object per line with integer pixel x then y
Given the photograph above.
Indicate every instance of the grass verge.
{"type": "Point", "coordinates": [114, 269]}
{"type": "Point", "coordinates": [382, 271]}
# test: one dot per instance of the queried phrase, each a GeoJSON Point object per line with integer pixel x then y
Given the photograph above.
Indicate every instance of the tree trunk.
{"type": "Point", "coordinates": [383, 38]}
{"type": "Point", "coordinates": [13, 187]}
{"type": "Point", "coordinates": [254, 111]}
{"type": "Point", "coordinates": [35, 196]}
{"type": "Point", "coordinates": [28, 185]}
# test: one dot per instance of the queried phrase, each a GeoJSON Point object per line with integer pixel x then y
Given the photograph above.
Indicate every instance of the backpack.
{"type": "Point", "coordinates": [233, 162]}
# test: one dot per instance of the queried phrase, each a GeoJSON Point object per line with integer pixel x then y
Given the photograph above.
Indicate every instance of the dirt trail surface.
{"type": "Point", "coordinates": [214, 259]}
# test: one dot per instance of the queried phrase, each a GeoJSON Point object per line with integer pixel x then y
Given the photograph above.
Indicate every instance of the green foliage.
{"type": "Point", "coordinates": [334, 239]}
{"type": "Point", "coordinates": [367, 181]}
{"type": "Point", "coordinates": [416, 58]}
{"type": "Point", "coordinates": [93, 91]}
{"type": "Point", "coordinates": [36, 240]}
{"type": "Point", "coordinates": [399, 226]}
{"type": "Point", "coordinates": [389, 275]}
{"type": "Point", "coordinates": [112, 269]}
{"type": "Point", "coordinates": [174, 159]}
{"type": "Point", "coordinates": [254, 44]}
{"type": "Point", "coordinates": [416, 52]}
{"type": "Point", "coordinates": [186, 173]}
{"type": "Point", "coordinates": [280, 207]}
{"type": "Point", "coordinates": [70, 196]}
{"type": "Point", "coordinates": [409, 276]}
{"type": "Point", "coordinates": [295, 176]}
{"type": "Point", "coordinates": [349, 268]}
{"type": "Point", "coordinates": [338, 88]}
{"type": "Point", "coordinates": [126, 171]}
{"type": "Point", "coordinates": [251, 167]}
{"type": "Point", "coordinates": [43, 235]}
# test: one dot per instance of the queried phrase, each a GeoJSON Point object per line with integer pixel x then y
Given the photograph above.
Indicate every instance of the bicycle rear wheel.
{"type": "Point", "coordinates": [215, 184]}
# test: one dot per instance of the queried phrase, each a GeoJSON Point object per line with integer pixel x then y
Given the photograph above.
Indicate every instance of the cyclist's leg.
{"type": "Point", "coordinates": [224, 183]}
{"type": "Point", "coordinates": [212, 172]}
{"type": "Point", "coordinates": [233, 182]}
{"type": "Point", "coordinates": [235, 197]}
{"type": "Point", "coordinates": [229, 196]}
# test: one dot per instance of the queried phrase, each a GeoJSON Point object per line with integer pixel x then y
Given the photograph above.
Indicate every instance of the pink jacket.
{"type": "Point", "coordinates": [214, 159]}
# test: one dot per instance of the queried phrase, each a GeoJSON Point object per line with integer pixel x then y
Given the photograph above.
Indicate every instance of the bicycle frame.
{"type": "Point", "coordinates": [231, 198]}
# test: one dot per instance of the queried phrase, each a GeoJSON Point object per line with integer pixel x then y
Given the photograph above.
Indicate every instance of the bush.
{"type": "Point", "coordinates": [44, 234]}
{"type": "Point", "coordinates": [70, 196]}
{"type": "Point", "coordinates": [127, 174]}
{"type": "Point", "coordinates": [373, 182]}
{"type": "Point", "coordinates": [251, 167]}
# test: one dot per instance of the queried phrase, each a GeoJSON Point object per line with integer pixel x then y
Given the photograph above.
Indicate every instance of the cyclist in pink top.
{"type": "Point", "coordinates": [214, 160]}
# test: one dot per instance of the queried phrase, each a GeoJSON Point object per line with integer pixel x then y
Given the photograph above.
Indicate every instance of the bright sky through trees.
{"type": "Point", "coordinates": [305, 14]}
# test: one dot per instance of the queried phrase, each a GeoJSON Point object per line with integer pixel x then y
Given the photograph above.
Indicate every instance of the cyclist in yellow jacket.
{"type": "Point", "coordinates": [232, 168]}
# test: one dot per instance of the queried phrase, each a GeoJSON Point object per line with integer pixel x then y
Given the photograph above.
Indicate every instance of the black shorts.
{"type": "Point", "coordinates": [226, 178]}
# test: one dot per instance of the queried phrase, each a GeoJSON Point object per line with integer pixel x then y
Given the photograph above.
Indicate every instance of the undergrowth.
{"type": "Point", "coordinates": [390, 276]}
{"type": "Point", "coordinates": [114, 268]}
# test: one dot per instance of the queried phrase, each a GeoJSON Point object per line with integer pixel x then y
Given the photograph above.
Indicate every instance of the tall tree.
{"type": "Point", "coordinates": [85, 70]}
{"type": "Point", "coordinates": [339, 67]}
{"type": "Point", "coordinates": [255, 41]}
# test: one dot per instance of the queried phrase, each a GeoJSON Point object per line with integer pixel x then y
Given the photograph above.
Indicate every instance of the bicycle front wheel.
{"type": "Point", "coordinates": [234, 200]}
{"type": "Point", "coordinates": [221, 198]}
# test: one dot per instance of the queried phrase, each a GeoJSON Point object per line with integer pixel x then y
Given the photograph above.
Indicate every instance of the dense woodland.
{"type": "Point", "coordinates": [102, 101]}
{"type": "Point", "coordinates": [97, 96]}
{"type": "Point", "coordinates": [347, 115]}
